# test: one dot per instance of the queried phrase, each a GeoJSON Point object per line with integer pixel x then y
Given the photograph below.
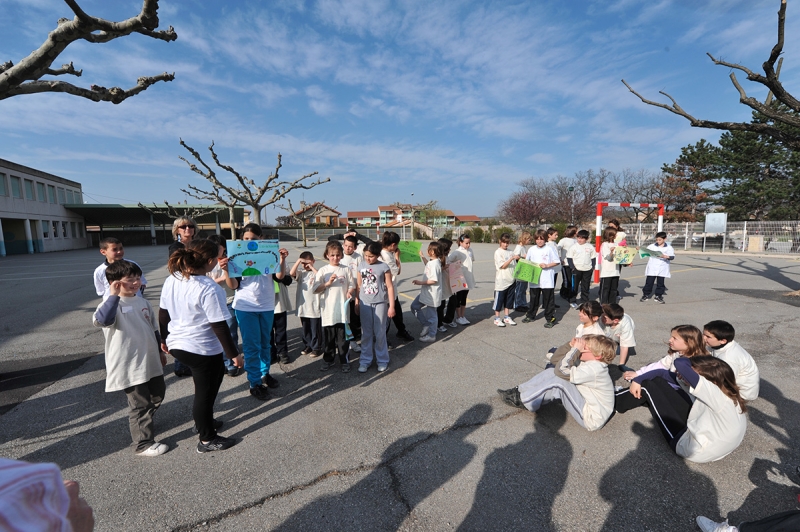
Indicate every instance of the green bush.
{"type": "Point", "coordinates": [477, 235]}
{"type": "Point", "coordinates": [503, 229]}
{"type": "Point", "coordinates": [448, 234]}
{"type": "Point", "coordinates": [487, 236]}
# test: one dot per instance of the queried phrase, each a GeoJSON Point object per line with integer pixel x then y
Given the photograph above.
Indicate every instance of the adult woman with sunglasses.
{"type": "Point", "coordinates": [184, 230]}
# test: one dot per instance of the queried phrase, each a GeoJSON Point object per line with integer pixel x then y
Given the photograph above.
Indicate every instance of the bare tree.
{"type": "Point", "coordinates": [25, 76]}
{"type": "Point", "coordinates": [528, 205]}
{"type": "Point", "coordinates": [217, 197]}
{"type": "Point", "coordinates": [303, 214]}
{"type": "Point", "coordinates": [638, 186]}
{"type": "Point", "coordinates": [246, 191]}
{"type": "Point", "coordinates": [172, 212]}
{"type": "Point", "coordinates": [778, 116]}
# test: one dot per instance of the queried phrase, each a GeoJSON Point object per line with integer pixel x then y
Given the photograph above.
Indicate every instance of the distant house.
{"type": "Point", "coordinates": [319, 213]}
{"type": "Point", "coordinates": [467, 219]}
{"type": "Point", "coordinates": [363, 218]}
{"type": "Point", "coordinates": [399, 227]}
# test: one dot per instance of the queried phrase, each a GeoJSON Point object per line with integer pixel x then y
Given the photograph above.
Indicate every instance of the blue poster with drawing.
{"type": "Point", "coordinates": [252, 257]}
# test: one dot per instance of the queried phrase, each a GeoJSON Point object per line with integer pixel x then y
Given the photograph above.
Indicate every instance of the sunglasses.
{"type": "Point", "coordinates": [186, 227]}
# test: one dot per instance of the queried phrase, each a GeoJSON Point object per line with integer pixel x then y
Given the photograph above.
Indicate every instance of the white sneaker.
{"type": "Point", "coordinates": [463, 321]}
{"type": "Point", "coordinates": [424, 331]}
{"type": "Point", "coordinates": [355, 347]}
{"type": "Point", "coordinates": [442, 329]}
{"type": "Point", "coordinates": [427, 339]}
{"type": "Point", "coordinates": [362, 368]}
{"type": "Point", "coordinates": [453, 324]}
{"type": "Point", "coordinates": [155, 450]}
{"type": "Point", "coordinates": [381, 369]}
{"type": "Point", "coordinates": [509, 321]}
{"type": "Point", "coordinates": [574, 305]}
{"type": "Point", "coordinates": [499, 322]}
{"type": "Point", "coordinates": [707, 525]}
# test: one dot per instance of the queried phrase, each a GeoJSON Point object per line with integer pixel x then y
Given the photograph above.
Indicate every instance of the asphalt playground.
{"type": "Point", "coordinates": [427, 445]}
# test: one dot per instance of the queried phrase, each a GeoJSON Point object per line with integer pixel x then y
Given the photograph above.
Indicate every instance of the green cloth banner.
{"type": "Point", "coordinates": [409, 251]}
{"type": "Point", "coordinates": [528, 271]}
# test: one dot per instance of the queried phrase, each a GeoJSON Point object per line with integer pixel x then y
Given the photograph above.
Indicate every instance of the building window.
{"type": "Point", "coordinates": [62, 197]}
{"type": "Point", "coordinates": [55, 229]}
{"type": "Point", "coordinates": [64, 229]}
{"type": "Point", "coordinates": [41, 193]}
{"type": "Point", "coordinates": [82, 230]}
{"type": "Point", "coordinates": [70, 196]}
{"type": "Point", "coordinates": [16, 187]}
{"type": "Point", "coordinates": [29, 192]}
{"type": "Point", "coordinates": [74, 229]}
{"type": "Point", "coordinates": [45, 228]}
{"type": "Point", "coordinates": [78, 197]}
{"type": "Point", "coordinates": [3, 188]}
{"type": "Point", "coordinates": [51, 194]}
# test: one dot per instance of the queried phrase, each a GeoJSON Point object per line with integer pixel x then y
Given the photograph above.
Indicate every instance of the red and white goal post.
{"type": "Point", "coordinates": [599, 232]}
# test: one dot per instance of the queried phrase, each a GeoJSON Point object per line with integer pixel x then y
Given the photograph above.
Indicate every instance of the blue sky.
{"type": "Point", "coordinates": [451, 101]}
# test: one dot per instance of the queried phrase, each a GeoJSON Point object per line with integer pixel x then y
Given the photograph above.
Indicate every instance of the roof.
{"type": "Point", "coordinates": [12, 166]}
{"type": "Point", "coordinates": [363, 214]}
{"type": "Point", "coordinates": [468, 218]}
{"type": "Point", "coordinates": [120, 215]}
{"type": "Point", "coordinates": [320, 207]}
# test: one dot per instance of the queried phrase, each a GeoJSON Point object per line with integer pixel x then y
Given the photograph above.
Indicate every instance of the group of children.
{"type": "Point", "coordinates": [577, 259]}
{"type": "Point", "coordinates": [697, 393]}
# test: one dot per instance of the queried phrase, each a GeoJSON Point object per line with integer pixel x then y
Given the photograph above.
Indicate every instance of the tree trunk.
{"type": "Point", "coordinates": [233, 225]}
{"type": "Point", "coordinates": [256, 218]}
{"type": "Point", "coordinates": [303, 228]}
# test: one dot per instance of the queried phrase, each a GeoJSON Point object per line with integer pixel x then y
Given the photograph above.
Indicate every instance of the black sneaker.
{"type": "Point", "coordinates": [260, 392]}
{"type": "Point", "coordinates": [511, 397]}
{"type": "Point", "coordinates": [346, 367]}
{"type": "Point", "coordinates": [550, 323]}
{"type": "Point", "coordinates": [527, 319]}
{"type": "Point", "coordinates": [270, 381]}
{"type": "Point", "coordinates": [185, 372]}
{"type": "Point", "coordinates": [220, 443]}
{"type": "Point", "coordinates": [403, 335]}
{"type": "Point", "coordinates": [644, 298]}
{"type": "Point", "coordinates": [285, 359]}
{"type": "Point", "coordinates": [623, 368]}
{"type": "Point", "coordinates": [234, 372]}
{"type": "Point", "coordinates": [326, 366]}
{"type": "Point", "coordinates": [217, 424]}
{"type": "Point", "coordinates": [660, 299]}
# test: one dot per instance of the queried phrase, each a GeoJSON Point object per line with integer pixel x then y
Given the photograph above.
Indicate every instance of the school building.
{"type": "Point", "coordinates": [33, 211]}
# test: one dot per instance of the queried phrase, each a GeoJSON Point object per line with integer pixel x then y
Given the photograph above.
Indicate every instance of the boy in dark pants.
{"type": "Point", "coordinates": [581, 258]}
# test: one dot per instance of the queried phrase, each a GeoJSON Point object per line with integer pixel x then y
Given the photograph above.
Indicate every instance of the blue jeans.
{"type": "Point", "coordinates": [426, 315]}
{"type": "Point", "coordinates": [234, 327]}
{"type": "Point", "coordinates": [374, 319]}
{"type": "Point", "coordinates": [256, 328]}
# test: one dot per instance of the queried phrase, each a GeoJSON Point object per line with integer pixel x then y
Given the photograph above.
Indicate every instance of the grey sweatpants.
{"type": "Point", "coordinates": [374, 322]}
{"type": "Point", "coordinates": [546, 387]}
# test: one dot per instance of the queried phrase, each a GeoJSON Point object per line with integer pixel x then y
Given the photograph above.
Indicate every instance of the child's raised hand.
{"type": "Point", "coordinates": [114, 288]}
{"type": "Point", "coordinates": [629, 375]}
{"type": "Point", "coordinates": [332, 279]}
{"type": "Point", "coordinates": [283, 252]}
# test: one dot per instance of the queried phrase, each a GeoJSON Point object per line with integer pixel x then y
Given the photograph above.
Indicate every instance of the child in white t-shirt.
{"type": "Point", "coordinates": [581, 258]}
{"type": "Point", "coordinates": [336, 285]}
{"type": "Point", "coordinates": [658, 268]}
{"type": "Point", "coordinates": [111, 248]}
{"type": "Point", "coordinates": [547, 258]}
{"type": "Point", "coordinates": [353, 260]}
{"type": "Point", "coordinates": [505, 261]}
{"type": "Point", "coordinates": [430, 293]}
{"type": "Point", "coordinates": [520, 288]}
{"type": "Point", "coordinates": [619, 327]}
{"type": "Point", "coordinates": [307, 304]}
{"type": "Point", "coordinates": [718, 336]}
{"type": "Point", "coordinates": [609, 273]}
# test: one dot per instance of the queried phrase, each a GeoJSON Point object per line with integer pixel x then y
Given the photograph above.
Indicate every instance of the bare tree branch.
{"type": "Point", "coordinates": [769, 80]}
{"type": "Point", "coordinates": [25, 76]}
{"type": "Point", "coordinates": [171, 212]}
{"type": "Point", "coordinates": [247, 192]}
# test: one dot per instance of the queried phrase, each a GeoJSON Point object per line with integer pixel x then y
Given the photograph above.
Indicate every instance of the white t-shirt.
{"type": "Point", "coordinates": [331, 301]}
{"type": "Point", "coordinates": [465, 257]}
{"type": "Point", "coordinates": [131, 351]}
{"type": "Point", "coordinates": [503, 277]}
{"type": "Point", "coordinates": [354, 262]}
{"type": "Point", "coordinates": [283, 301]}
{"type": "Point", "coordinates": [743, 366]}
{"type": "Point", "coordinates": [656, 266]}
{"type": "Point", "coordinates": [193, 304]}
{"type": "Point", "coordinates": [256, 293]}
{"type": "Point", "coordinates": [607, 266]}
{"type": "Point", "coordinates": [715, 427]}
{"type": "Point", "coordinates": [563, 246]}
{"type": "Point", "coordinates": [623, 332]}
{"type": "Point", "coordinates": [389, 258]}
{"type": "Point", "coordinates": [595, 386]}
{"type": "Point", "coordinates": [306, 301]}
{"type": "Point", "coordinates": [431, 294]}
{"type": "Point", "coordinates": [594, 328]}
{"type": "Point", "coordinates": [101, 282]}
{"type": "Point", "coordinates": [582, 255]}
{"type": "Point", "coordinates": [544, 255]}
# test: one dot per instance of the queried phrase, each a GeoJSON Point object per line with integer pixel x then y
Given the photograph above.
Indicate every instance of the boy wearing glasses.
{"type": "Point", "coordinates": [134, 361]}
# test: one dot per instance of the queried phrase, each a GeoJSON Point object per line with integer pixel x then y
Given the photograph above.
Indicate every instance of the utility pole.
{"type": "Point", "coordinates": [571, 205]}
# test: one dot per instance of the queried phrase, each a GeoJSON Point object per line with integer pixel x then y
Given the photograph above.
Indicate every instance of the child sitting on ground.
{"type": "Point", "coordinates": [589, 314]}
{"type": "Point", "coordinates": [111, 248]}
{"type": "Point", "coordinates": [619, 327]}
{"type": "Point", "coordinates": [718, 336]}
{"type": "Point", "coordinates": [588, 395]}
{"type": "Point", "coordinates": [134, 361]}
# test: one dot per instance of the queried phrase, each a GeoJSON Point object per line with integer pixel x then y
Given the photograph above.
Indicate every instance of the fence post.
{"type": "Point", "coordinates": [686, 237]}
{"type": "Point", "coordinates": [315, 234]}
{"type": "Point", "coordinates": [744, 237]}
